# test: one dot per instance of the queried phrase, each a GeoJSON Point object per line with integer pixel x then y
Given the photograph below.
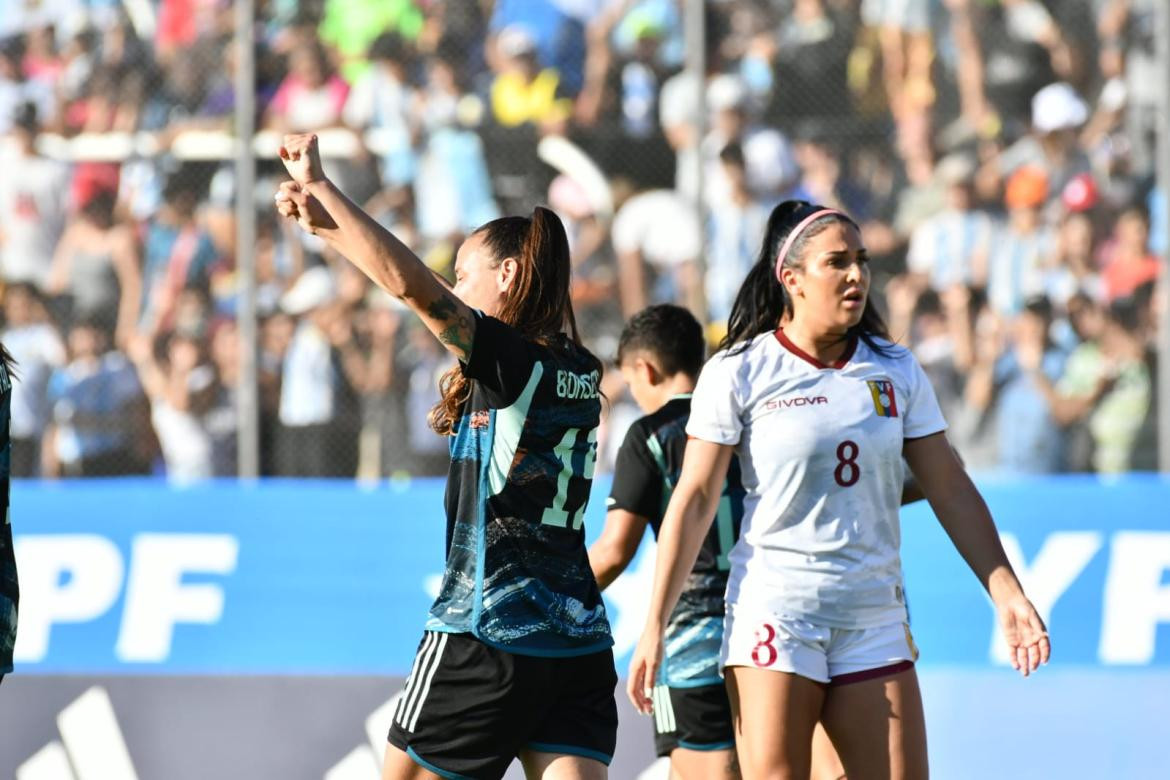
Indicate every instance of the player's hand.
{"type": "Point", "coordinates": [292, 202]}
{"type": "Point", "coordinates": [302, 159]}
{"type": "Point", "coordinates": [644, 671]}
{"type": "Point", "coordinates": [1026, 634]}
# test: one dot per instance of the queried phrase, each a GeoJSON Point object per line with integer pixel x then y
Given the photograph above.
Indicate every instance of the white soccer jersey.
{"type": "Point", "coordinates": [821, 452]}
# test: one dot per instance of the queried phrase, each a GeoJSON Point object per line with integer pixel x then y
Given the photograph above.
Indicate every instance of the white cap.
{"type": "Point", "coordinates": [725, 92]}
{"type": "Point", "coordinates": [955, 168]}
{"type": "Point", "coordinates": [1058, 107]}
{"type": "Point", "coordinates": [515, 40]}
{"type": "Point", "coordinates": [313, 288]}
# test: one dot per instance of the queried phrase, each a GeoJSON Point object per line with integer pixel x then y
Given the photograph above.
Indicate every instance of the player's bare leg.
{"type": "Point", "coordinates": [703, 765]}
{"type": "Point", "coordinates": [557, 766]}
{"type": "Point", "coordinates": [878, 727]}
{"type": "Point", "coordinates": [774, 715]}
{"type": "Point", "coordinates": [396, 765]}
{"type": "Point", "coordinates": [826, 764]}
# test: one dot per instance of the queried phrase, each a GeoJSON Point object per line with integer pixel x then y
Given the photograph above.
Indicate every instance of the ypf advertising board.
{"type": "Point", "coordinates": [223, 607]}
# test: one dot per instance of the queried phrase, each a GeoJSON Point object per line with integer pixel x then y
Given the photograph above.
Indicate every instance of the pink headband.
{"type": "Point", "coordinates": [796, 231]}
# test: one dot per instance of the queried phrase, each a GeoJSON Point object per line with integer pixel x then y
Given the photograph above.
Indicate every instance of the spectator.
{"type": "Point", "coordinates": [316, 437]}
{"type": "Point", "coordinates": [1014, 268]}
{"type": "Point", "coordinates": [1072, 269]}
{"type": "Point", "coordinates": [311, 96]}
{"type": "Point", "coordinates": [813, 44]}
{"type": "Point", "coordinates": [97, 412]}
{"type": "Point", "coordinates": [383, 400]}
{"type": "Point", "coordinates": [181, 389]}
{"type": "Point", "coordinates": [18, 93]}
{"type": "Point", "coordinates": [221, 418]}
{"type": "Point", "coordinates": [34, 343]}
{"type": "Point", "coordinates": [557, 32]}
{"type": "Point", "coordinates": [734, 227]}
{"type": "Point", "coordinates": [772, 172]}
{"type": "Point", "coordinates": [1107, 385]}
{"type": "Point", "coordinates": [350, 26]}
{"type": "Point", "coordinates": [1053, 146]}
{"type": "Point", "coordinates": [453, 191]}
{"type": "Point", "coordinates": [428, 360]}
{"type": "Point", "coordinates": [1029, 438]}
{"type": "Point", "coordinates": [32, 210]}
{"type": "Point", "coordinates": [657, 237]}
{"type": "Point", "coordinates": [177, 254]}
{"type": "Point", "coordinates": [383, 99]}
{"type": "Point", "coordinates": [946, 248]}
{"type": "Point", "coordinates": [96, 267]}
{"type": "Point", "coordinates": [1126, 261]}
{"type": "Point", "coordinates": [523, 92]}
{"type": "Point", "coordinates": [1129, 52]}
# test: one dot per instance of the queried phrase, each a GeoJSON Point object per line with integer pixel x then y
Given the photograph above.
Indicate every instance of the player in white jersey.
{"type": "Point", "coordinates": [820, 414]}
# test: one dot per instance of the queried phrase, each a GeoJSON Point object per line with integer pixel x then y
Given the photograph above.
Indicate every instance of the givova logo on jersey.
{"type": "Point", "coordinates": [884, 401]}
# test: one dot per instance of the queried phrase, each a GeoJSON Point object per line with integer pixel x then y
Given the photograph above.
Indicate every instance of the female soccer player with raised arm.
{"type": "Point", "coordinates": [515, 659]}
{"type": "Point", "coordinates": [820, 413]}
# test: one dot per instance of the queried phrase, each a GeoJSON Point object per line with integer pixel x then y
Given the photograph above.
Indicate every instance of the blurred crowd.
{"type": "Point", "coordinates": [998, 154]}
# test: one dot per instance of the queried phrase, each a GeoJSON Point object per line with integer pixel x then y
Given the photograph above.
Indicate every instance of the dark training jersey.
{"type": "Point", "coordinates": [9, 592]}
{"type": "Point", "coordinates": [645, 473]}
{"type": "Point", "coordinates": [517, 574]}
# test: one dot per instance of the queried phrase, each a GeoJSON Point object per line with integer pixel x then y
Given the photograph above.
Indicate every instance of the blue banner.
{"type": "Point", "coordinates": [322, 577]}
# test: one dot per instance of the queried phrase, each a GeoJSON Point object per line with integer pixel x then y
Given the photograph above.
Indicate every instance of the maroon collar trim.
{"type": "Point", "coordinates": [841, 362]}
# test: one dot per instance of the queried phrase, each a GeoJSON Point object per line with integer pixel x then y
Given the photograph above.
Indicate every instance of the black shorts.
{"type": "Point", "coordinates": [468, 709]}
{"type": "Point", "coordinates": [692, 718]}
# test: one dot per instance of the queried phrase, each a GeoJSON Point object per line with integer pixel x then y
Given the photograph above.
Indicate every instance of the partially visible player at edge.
{"type": "Point", "coordinates": [820, 407]}
{"type": "Point", "coordinates": [660, 353]}
{"type": "Point", "coordinates": [9, 589]}
{"type": "Point", "coordinates": [515, 659]}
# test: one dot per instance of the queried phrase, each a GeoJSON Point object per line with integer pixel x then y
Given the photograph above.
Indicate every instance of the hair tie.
{"type": "Point", "coordinates": [796, 231]}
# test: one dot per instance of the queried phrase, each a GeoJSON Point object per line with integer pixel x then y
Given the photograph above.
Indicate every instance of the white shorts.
{"type": "Point", "coordinates": [906, 15]}
{"type": "Point", "coordinates": [828, 655]}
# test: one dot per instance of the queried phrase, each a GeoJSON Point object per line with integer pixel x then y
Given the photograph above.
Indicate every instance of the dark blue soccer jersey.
{"type": "Point", "coordinates": [646, 470]}
{"type": "Point", "coordinates": [9, 592]}
{"type": "Point", "coordinates": [522, 457]}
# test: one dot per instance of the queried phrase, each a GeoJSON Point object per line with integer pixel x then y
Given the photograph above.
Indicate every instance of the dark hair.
{"type": "Point", "coordinates": [99, 208]}
{"type": "Point", "coordinates": [1126, 314]}
{"type": "Point", "coordinates": [1040, 306]}
{"type": "Point", "coordinates": [762, 302]}
{"type": "Point", "coordinates": [537, 305]}
{"type": "Point", "coordinates": [928, 304]}
{"type": "Point", "coordinates": [732, 154]}
{"type": "Point", "coordinates": [8, 362]}
{"type": "Point", "coordinates": [390, 47]}
{"type": "Point", "coordinates": [26, 117]}
{"type": "Point", "coordinates": [670, 333]}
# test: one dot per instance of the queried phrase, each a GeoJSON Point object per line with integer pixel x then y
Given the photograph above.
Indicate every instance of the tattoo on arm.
{"type": "Point", "coordinates": [458, 333]}
{"type": "Point", "coordinates": [442, 308]}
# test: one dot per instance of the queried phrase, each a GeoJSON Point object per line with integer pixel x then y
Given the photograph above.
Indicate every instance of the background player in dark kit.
{"type": "Point", "coordinates": [660, 354]}
{"type": "Point", "coordinates": [515, 659]}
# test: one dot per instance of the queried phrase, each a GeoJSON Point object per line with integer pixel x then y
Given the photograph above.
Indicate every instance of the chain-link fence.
{"type": "Point", "coordinates": [999, 157]}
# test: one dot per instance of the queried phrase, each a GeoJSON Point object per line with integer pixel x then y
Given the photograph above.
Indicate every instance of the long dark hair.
{"type": "Point", "coordinates": [762, 301]}
{"type": "Point", "coordinates": [7, 361]}
{"type": "Point", "coordinates": [537, 304]}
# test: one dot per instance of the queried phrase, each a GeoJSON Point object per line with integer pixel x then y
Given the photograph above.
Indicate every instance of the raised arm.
{"type": "Point", "coordinates": [687, 520]}
{"type": "Point", "coordinates": [320, 208]}
{"type": "Point", "coordinates": [965, 517]}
